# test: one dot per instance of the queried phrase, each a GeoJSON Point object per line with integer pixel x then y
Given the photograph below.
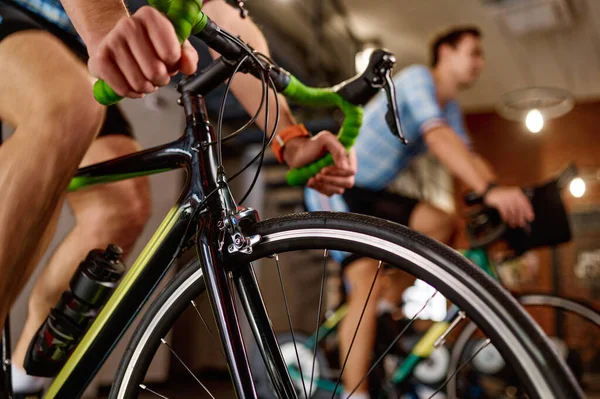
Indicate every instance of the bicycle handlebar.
{"type": "Point", "coordinates": [301, 94]}
{"type": "Point", "coordinates": [187, 18]}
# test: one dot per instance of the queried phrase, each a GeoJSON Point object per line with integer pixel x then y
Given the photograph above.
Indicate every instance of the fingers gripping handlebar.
{"type": "Point", "coordinates": [187, 18]}
{"type": "Point", "coordinates": [349, 96]}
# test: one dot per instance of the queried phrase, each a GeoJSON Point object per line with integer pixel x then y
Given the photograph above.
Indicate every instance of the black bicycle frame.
{"type": "Point", "coordinates": [205, 200]}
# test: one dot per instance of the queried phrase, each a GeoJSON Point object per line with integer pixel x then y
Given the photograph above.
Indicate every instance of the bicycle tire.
{"type": "Point", "coordinates": [486, 302]}
{"type": "Point", "coordinates": [577, 307]}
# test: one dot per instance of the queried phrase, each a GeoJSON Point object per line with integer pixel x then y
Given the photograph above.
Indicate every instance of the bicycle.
{"type": "Point", "coordinates": [422, 357]}
{"type": "Point", "coordinates": [228, 239]}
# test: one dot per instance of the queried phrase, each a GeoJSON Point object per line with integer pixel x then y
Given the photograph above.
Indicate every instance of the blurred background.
{"type": "Point", "coordinates": [539, 54]}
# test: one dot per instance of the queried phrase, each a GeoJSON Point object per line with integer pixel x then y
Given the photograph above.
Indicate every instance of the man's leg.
{"type": "Point", "coordinates": [45, 92]}
{"type": "Point", "coordinates": [104, 214]}
{"type": "Point", "coordinates": [359, 275]}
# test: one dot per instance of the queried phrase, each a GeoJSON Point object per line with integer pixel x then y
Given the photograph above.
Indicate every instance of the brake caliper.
{"type": "Point", "coordinates": [233, 226]}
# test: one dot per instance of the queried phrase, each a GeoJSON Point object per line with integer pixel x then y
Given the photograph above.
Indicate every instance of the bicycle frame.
{"type": "Point", "coordinates": [195, 153]}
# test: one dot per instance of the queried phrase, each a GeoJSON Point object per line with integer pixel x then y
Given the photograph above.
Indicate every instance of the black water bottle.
{"type": "Point", "coordinates": [91, 286]}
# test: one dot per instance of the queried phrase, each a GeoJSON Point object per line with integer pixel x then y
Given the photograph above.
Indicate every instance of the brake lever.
{"type": "Point", "coordinates": [392, 117]}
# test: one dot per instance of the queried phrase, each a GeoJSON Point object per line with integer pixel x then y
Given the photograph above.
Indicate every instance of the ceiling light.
{"type": "Point", "coordinates": [535, 105]}
{"type": "Point", "coordinates": [577, 187]}
{"type": "Point", "coordinates": [534, 121]}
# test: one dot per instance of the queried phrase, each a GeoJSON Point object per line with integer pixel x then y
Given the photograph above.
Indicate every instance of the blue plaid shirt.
{"type": "Point", "coordinates": [381, 156]}
{"type": "Point", "coordinates": [52, 10]}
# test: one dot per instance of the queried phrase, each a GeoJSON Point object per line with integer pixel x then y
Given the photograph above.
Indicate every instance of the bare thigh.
{"type": "Point", "coordinates": [433, 222]}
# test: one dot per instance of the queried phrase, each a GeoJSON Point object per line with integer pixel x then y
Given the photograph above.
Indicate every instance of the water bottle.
{"type": "Point", "coordinates": [91, 286]}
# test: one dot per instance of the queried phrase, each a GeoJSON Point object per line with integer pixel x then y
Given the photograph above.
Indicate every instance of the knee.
{"type": "Point", "coordinates": [75, 118]}
{"type": "Point", "coordinates": [448, 226]}
{"type": "Point", "coordinates": [441, 226]}
{"type": "Point", "coordinates": [119, 216]}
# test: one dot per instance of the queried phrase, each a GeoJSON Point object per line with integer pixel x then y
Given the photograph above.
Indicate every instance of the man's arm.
{"type": "Point", "coordinates": [483, 167]}
{"type": "Point", "coordinates": [94, 19]}
{"type": "Point", "coordinates": [246, 88]}
{"type": "Point", "coordinates": [445, 144]}
{"type": "Point", "coordinates": [511, 202]}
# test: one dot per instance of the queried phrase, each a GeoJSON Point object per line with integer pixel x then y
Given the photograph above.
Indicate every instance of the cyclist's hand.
{"type": "Point", "coordinates": [513, 205]}
{"type": "Point", "coordinates": [140, 54]}
{"type": "Point", "coordinates": [335, 179]}
{"type": "Point", "coordinates": [331, 180]}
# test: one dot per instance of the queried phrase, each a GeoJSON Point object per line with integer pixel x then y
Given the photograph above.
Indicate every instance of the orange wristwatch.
{"type": "Point", "coordinates": [286, 135]}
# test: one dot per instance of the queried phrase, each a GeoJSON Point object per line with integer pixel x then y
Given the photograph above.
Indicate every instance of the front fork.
{"type": "Point", "coordinates": [5, 367]}
{"type": "Point", "coordinates": [221, 235]}
{"type": "Point", "coordinates": [231, 240]}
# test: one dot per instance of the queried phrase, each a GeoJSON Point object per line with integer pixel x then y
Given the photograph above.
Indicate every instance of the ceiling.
{"type": "Point", "coordinates": [568, 58]}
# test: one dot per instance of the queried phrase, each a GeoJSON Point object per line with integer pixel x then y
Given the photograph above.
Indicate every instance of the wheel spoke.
{"type": "Point", "coordinates": [145, 388]}
{"type": "Point", "coordinates": [208, 328]}
{"type": "Point", "coordinates": [312, 373]}
{"type": "Point", "coordinates": [186, 367]}
{"type": "Point", "coordinates": [389, 348]}
{"type": "Point", "coordinates": [357, 327]}
{"type": "Point", "coordinates": [287, 309]}
{"type": "Point", "coordinates": [459, 368]}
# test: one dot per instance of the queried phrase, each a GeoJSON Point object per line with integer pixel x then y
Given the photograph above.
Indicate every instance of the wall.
{"type": "Point", "coordinates": [521, 157]}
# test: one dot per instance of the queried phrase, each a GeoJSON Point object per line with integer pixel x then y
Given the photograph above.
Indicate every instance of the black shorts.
{"type": "Point", "coordinates": [15, 19]}
{"type": "Point", "coordinates": [382, 204]}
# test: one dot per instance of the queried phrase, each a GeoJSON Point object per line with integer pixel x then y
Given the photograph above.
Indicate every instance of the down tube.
{"type": "Point", "coordinates": [122, 307]}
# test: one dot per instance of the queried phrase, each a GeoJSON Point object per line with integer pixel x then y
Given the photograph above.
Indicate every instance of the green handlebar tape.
{"type": "Point", "coordinates": [105, 94]}
{"type": "Point", "coordinates": [185, 14]}
{"type": "Point", "coordinates": [304, 95]}
{"type": "Point", "coordinates": [187, 18]}
{"type": "Point", "coordinates": [161, 5]}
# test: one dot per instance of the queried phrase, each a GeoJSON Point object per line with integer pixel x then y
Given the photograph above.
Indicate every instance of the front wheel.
{"type": "Point", "coordinates": [319, 234]}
